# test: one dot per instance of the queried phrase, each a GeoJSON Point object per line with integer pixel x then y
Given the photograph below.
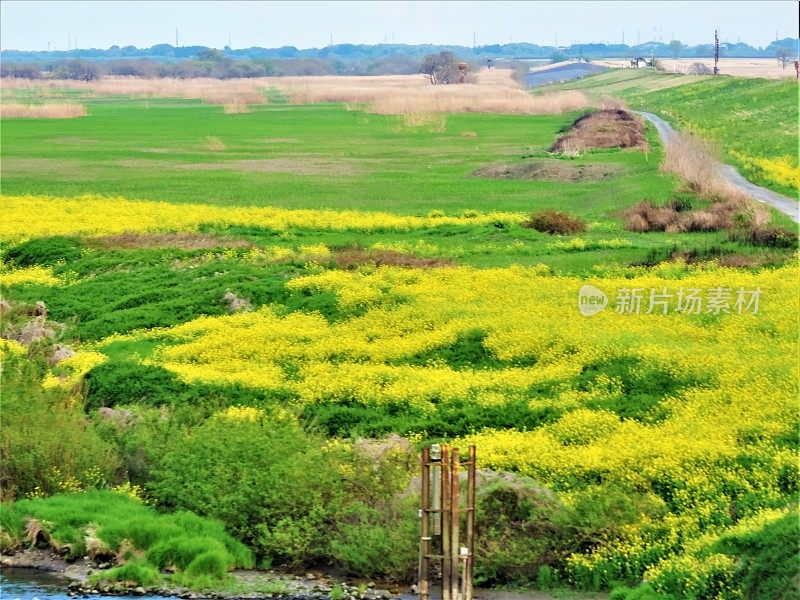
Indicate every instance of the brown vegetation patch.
{"type": "Point", "coordinates": [281, 140]}
{"type": "Point", "coordinates": [555, 222]}
{"type": "Point", "coordinates": [296, 166]}
{"type": "Point", "coordinates": [60, 169]}
{"type": "Point", "coordinates": [548, 170]}
{"type": "Point", "coordinates": [214, 144]}
{"type": "Point", "coordinates": [696, 162]}
{"type": "Point", "coordinates": [41, 111]}
{"type": "Point", "coordinates": [611, 128]}
{"type": "Point", "coordinates": [186, 240]}
{"type": "Point", "coordinates": [351, 258]}
{"type": "Point", "coordinates": [744, 220]}
{"type": "Point", "coordinates": [74, 140]}
{"type": "Point", "coordinates": [677, 217]}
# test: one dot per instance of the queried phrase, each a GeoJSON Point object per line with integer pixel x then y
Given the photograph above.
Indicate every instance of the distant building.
{"type": "Point", "coordinates": [639, 63]}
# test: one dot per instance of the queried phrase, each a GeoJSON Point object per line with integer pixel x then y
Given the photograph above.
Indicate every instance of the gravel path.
{"type": "Point", "coordinates": [784, 204]}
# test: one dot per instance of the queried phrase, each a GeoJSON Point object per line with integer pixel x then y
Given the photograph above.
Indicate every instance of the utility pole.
{"type": "Point", "coordinates": [474, 37]}
{"type": "Point", "coordinates": [176, 37]}
{"type": "Point", "coordinates": [716, 52]}
{"type": "Point", "coordinates": [638, 36]}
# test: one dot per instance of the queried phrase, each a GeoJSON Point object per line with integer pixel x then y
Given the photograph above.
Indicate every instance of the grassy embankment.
{"type": "Point", "coordinates": [752, 121]}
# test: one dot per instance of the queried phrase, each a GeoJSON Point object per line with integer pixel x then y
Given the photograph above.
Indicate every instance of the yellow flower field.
{"type": "Point", "coordinates": [693, 452]}
{"type": "Point", "coordinates": [99, 215]}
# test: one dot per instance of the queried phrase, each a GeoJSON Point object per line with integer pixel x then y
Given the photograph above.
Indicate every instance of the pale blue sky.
{"type": "Point", "coordinates": [31, 25]}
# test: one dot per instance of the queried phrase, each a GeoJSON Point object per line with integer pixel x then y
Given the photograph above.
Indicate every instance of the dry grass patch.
{"type": "Point", "coordinates": [696, 162]}
{"type": "Point", "coordinates": [214, 144]}
{"type": "Point", "coordinates": [235, 108]}
{"type": "Point", "coordinates": [494, 92]}
{"type": "Point", "coordinates": [352, 258]}
{"type": "Point", "coordinates": [295, 166]}
{"type": "Point", "coordinates": [555, 223]}
{"type": "Point", "coordinates": [548, 170]}
{"type": "Point", "coordinates": [608, 128]}
{"type": "Point", "coordinates": [186, 241]}
{"type": "Point", "coordinates": [41, 111]}
{"type": "Point", "coordinates": [59, 169]}
{"type": "Point", "coordinates": [212, 91]}
{"type": "Point", "coordinates": [469, 134]}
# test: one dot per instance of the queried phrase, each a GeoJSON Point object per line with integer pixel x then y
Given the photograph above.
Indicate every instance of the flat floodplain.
{"type": "Point", "coordinates": [188, 286]}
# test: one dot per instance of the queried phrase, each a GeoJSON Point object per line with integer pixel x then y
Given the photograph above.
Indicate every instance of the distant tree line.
{"type": "Point", "coordinates": [358, 53]}
{"type": "Point", "coordinates": [207, 63]}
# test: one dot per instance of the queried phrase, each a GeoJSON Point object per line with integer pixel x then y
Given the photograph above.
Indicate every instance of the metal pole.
{"type": "Point", "coordinates": [446, 525]}
{"type": "Point", "coordinates": [436, 489]}
{"type": "Point", "coordinates": [424, 514]}
{"type": "Point", "coordinates": [470, 566]}
{"type": "Point", "coordinates": [455, 546]}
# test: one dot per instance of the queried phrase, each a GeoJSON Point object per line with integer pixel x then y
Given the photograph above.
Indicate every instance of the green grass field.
{"type": "Point", "coordinates": [748, 118]}
{"type": "Point", "coordinates": [323, 156]}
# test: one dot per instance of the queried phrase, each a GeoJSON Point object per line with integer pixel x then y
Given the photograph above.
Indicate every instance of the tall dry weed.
{"type": "Point", "coordinates": [696, 162]}
{"type": "Point", "coordinates": [42, 111]}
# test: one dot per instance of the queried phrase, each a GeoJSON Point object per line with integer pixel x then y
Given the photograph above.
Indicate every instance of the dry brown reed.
{"type": "Point", "coordinates": [41, 111]}
{"type": "Point", "coordinates": [486, 91]}
{"type": "Point", "coordinates": [696, 162]}
{"type": "Point", "coordinates": [494, 92]}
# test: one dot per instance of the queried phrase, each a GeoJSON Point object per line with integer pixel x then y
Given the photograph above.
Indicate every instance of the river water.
{"type": "Point", "coordinates": [32, 584]}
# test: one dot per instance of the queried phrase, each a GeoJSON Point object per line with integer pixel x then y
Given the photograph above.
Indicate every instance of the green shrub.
{"type": "Point", "coordinates": [769, 559]}
{"type": "Point", "coordinates": [212, 563]}
{"type": "Point", "coordinates": [44, 251]}
{"type": "Point", "coordinates": [517, 531]}
{"type": "Point", "coordinates": [181, 540]}
{"type": "Point", "coordinates": [272, 472]}
{"type": "Point", "coordinates": [46, 443]}
{"type": "Point", "coordinates": [642, 592]}
{"type": "Point", "coordinates": [367, 544]}
{"type": "Point", "coordinates": [139, 572]}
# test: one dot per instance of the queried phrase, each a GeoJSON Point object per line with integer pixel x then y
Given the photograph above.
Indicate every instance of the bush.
{"type": "Point", "coordinates": [46, 443]}
{"type": "Point", "coordinates": [194, 545]}
{"type": "Point", "coordinates": [43, 251]}
{"type": "Point", "coordinates": [275, 477]}
{"type": "Point", "coordinates": [772, 236]}
{"type": "Point", "coordinates": [769, 562]}
{"type": "Point", "coordinates": [294, 498]}
{"type": "Point", "coordinates": [517, 531]}
{"type": "Point", "coordinates": [555, 222]}
{"type": "Point", "coordinates": [139, 572]}
{"type": "Point", "coordinates": [366, 545]}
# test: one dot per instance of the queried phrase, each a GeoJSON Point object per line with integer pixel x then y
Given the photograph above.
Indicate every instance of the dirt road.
{"type": "Point", "coordinates": [784, 204]}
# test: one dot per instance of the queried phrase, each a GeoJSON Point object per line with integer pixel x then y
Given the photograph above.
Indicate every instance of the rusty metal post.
{"type": "Point", "coordinates": [455, 545]}
{"type": "Point", "coordinates": [424, 519]}
{"type": "Point", "coordinates": [470, 542]}
{"type": "Point", "coordinates": [447, 573]}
